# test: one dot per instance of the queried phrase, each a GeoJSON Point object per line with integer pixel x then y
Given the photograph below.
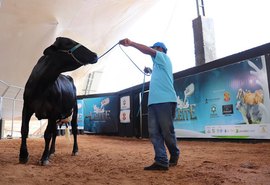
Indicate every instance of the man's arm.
{"type": "Point", "coordinates": [143, 48]}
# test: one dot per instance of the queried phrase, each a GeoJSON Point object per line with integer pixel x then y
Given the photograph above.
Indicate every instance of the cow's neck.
{"type": "Point", "coordinates": [43, 75]}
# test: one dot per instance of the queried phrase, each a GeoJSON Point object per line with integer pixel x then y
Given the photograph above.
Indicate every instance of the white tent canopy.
{"type": "Point", "coordinates": [29, 26]}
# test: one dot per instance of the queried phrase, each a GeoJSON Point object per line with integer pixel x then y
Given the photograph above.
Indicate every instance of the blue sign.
{"type": "Point", "coordinates": [80, 117]}
{"type": "Point", "coordinates": [101, 114]}
{"type": "Point", "coordinates": [231, 101]}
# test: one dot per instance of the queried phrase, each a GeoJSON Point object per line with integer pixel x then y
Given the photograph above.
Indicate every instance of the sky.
{"type": "Point", "coordinates": [238, 25]}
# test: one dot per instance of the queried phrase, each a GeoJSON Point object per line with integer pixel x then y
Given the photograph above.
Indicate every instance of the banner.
{"type": "Point", "coordinates": [101, 114]}
{"type": "Point", "coordinates": [80, 117]}
{"type": "Point", "coordinates": [231, 102]}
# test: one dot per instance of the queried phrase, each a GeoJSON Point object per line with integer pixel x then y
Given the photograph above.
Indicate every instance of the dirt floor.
{"type": "Point", "coordinates": [117, 160]}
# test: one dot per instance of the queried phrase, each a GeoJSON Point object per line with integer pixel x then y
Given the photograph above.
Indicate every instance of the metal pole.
{"type": "Point", "coordinates": [141, 120]}
{"type": "Point", "coordinates": [1, 120]}
{"type": "Point", "coordinates": [1, 107]}
{"type": "Point", "coordinates": [202, 5]}
{"type": "Point", "coordinates": [197, 5]}
{"type": "Point", "coordinates": [12, 119]}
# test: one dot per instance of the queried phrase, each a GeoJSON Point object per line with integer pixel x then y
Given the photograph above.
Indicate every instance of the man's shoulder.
{"type": "Point", "coordinates": [160, 56]}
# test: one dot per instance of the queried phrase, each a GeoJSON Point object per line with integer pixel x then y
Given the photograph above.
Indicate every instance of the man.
{"type": "Point", "coordinates": [161, 105]}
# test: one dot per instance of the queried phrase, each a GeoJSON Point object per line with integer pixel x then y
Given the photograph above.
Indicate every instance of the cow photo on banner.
{"type": "Point", "coordinates": [226, 102]}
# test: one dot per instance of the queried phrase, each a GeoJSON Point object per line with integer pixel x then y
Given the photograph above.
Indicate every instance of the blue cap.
{"type": "Point", "coordinates": [160, 44]}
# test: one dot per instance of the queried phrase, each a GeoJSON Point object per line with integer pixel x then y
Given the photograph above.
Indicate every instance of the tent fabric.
{"type": "Point", "coordinates": [29, 26]}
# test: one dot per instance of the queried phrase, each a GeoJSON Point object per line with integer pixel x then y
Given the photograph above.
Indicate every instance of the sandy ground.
{"type": "Point", "coordinates": [117, 160]}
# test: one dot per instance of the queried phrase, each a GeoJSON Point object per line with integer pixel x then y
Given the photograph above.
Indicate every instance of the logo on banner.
{"type": "Point", "coordinates": [213, 110]}
{"type": "Point", "coordinates": [125, 109]}
{"type": "Point", "coordinates": [125, 116]}
{"type": "Point", "coordinates": [186, 111]}
{"type": "Point", "coordinates": [99, 112]}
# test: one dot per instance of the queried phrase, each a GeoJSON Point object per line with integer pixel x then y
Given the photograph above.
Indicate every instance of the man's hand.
{"type": "Point", "coordinates": [143, 48]}
{"type": "Point", "coordinates": [125, 42]}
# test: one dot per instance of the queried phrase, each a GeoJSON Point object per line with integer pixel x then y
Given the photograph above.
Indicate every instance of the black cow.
{"type": "Point", "coordinates": [51, 95]}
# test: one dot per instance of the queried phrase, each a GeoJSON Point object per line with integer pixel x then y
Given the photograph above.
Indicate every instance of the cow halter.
{"type": "Point", "coordinates": [70, 52]}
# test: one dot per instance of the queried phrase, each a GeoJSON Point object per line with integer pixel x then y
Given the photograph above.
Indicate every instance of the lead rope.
{"type": "Point", "coordinates": [108, 51]}
{"type": "Point", "coordinates": [147, 72]}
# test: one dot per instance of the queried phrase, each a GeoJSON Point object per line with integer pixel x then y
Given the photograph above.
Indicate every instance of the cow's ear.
{"type": "Point", "coordinates": [49, 50]}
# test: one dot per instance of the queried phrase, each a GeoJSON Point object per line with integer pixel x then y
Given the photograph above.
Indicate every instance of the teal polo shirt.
{"type": "Point", "coordinates": [161, 84]}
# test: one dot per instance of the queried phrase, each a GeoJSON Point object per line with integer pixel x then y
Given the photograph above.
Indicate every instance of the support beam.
{"type": "Point", "coordinates": [204, 40]}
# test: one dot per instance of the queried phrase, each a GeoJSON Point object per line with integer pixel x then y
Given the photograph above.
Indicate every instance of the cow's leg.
{"type": "Point", "coordinates": [54, 134]}
{"type": "Point", "coordinates": [26, 115]}
{"type": "Point", "coordinates": [248, 115]}
{"type": "Point", "coordinates": [74, 129]}
{"type": "Point", "coordinates": [47, 137]}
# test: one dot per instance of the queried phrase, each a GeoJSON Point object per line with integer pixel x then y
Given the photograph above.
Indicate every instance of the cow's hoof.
{"type": "Point", "coordinates": [51, 155]}
{"type": "Point", "coordinates": [44, 163]}
{"type": "Point", "coordinates": [75, 153]}
{"type": "Point", "coordinates": [24, 160]}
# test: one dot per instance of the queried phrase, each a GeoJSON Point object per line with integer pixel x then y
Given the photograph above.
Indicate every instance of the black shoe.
{"type": "Point", "coordinates": [173, 160]}
{"type": "Point", "coordinates": [156, 166]}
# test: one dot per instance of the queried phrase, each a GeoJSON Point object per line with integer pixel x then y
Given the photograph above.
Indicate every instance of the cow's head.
{"type": "Point", "coordinates": [69, 54]}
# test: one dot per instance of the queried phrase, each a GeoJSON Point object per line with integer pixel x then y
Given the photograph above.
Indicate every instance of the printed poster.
{"type": "Point", "coordinates": [101, 114]}
{"type": "Point", "coordinates": [124, 109]}
{"type": "Point", "coordinates": [226, 102]}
